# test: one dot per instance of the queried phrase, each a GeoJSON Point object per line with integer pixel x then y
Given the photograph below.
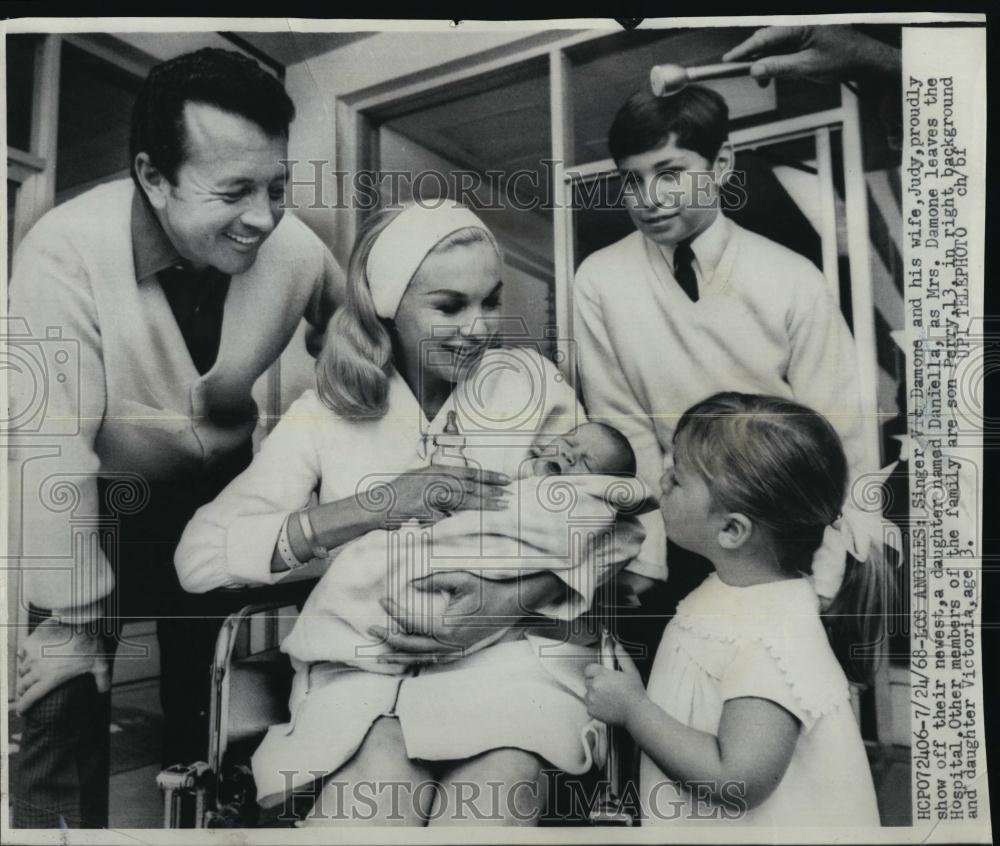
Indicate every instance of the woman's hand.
{"type": "Point", "coordinates": [477, 608]}
{"type": "Point", "coordinates": [426, 494]}
{"type": "Point", "coordinates": [612, 695]}
{"type": "Point", "coordinates": [430, 493]}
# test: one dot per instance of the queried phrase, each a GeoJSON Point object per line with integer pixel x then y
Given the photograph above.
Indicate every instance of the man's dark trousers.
{"type": "Point", "coordinates": [62, 768]}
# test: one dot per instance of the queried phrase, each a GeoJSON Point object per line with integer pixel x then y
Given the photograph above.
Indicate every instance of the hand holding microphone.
{"type": "Point", "coordinates": [819, 53]}
{"type": "Point", "coordinates": [669, 79]}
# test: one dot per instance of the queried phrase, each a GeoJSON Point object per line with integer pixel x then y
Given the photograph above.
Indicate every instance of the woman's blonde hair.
{"type": "Point", "coordinates": [353, 369]}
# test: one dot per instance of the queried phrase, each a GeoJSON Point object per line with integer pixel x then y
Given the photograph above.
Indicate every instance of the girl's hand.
{"type": "Point", "coordinates": [430, 493]}
{"type": "Point", "coordinates": [613, 694]}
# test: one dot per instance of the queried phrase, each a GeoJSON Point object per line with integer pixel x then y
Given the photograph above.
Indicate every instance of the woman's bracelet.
{"type": "Point", "coordinates": [309, 533]}
{"type": "Point", "coordinates": [284, 547]}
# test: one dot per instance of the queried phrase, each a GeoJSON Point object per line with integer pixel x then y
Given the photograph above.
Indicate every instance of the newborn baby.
{"type": "Point", "coordinates": [532, 534]}
{"type": "Point", "coordinates": [590, 448]}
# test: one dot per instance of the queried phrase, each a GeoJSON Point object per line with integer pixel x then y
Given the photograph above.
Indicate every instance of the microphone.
{"type": "Point", "coordinates": [669, 79]}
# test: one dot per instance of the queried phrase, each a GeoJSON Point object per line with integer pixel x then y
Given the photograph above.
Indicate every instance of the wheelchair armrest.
{"type": "Point", "coordinates": [258, 695]}
{"type": "Point", "coordinates": [250, 693]}
{"type": "Point", "coordinates": [259, 601]}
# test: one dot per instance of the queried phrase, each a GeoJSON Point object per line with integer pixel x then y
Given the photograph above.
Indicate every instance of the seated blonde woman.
{"type": "Point", "coordinates": [410, 349]}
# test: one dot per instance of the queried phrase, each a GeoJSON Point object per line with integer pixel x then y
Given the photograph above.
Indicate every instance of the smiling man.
{"type": "Point", "coordinates": [178, 288]}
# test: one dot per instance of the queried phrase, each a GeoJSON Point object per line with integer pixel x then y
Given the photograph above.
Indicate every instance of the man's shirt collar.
{"type": "Point", "coordinates": [152, 250]}
{"type": "Point", "coordinates": [708, 247]}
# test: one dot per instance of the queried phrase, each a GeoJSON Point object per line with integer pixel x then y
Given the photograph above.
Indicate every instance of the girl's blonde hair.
{"type": "Point", "coordinates": [783, 466]}
{"type": "Point", "coordinates": [353, 369]}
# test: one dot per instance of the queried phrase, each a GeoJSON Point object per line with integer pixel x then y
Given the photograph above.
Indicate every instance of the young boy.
{"type": "Point", "coordinates": [690, 304]}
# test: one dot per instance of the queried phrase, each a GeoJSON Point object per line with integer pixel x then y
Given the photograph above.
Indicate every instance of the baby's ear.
{"type": "Point", "coordinates": [736, 530]}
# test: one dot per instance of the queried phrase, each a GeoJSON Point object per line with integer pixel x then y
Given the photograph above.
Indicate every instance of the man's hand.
{"type": "Point", "coordinates": [477, 608]}
{"type": "Point", "coordinates": [613, 694]}
{"type": "Point", "coordinates": [53, 654]}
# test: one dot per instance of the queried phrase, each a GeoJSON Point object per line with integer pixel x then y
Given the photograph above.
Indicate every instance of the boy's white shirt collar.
{"type": "Point", "coordinates": [708, 247]}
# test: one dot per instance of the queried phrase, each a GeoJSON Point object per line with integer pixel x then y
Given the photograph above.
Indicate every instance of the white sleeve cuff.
{"type": "Point", "coordinates": [79, 615]}
{"type": "Point", "coordinates": [250, 544]}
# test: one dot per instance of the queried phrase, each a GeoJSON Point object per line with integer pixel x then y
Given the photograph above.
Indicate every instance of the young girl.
{"type": "Point", "coordinates": [747, 716]}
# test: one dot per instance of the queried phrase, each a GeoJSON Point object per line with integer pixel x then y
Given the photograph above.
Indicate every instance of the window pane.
{"type": "Point", "coordinates": [20, 82]}
{"type": "Point", "coordinates": [95, 107]}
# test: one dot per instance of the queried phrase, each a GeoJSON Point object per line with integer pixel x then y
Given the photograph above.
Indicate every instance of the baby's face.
{"type": "Point", "coordinates": [587, 450]}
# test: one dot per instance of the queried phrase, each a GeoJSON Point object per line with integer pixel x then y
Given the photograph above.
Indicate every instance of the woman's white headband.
{"type": "Point", "coordinates": [404, 244]}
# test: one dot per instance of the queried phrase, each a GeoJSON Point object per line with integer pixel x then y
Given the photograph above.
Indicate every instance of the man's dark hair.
{"type": "Point", "coordinates": [222, 78]}
{"type": "Point", "coordinates": [697, 116]}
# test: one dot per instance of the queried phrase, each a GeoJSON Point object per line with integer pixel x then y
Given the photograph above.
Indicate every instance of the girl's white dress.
{"type": "Point", "coordinates": [764, 641]}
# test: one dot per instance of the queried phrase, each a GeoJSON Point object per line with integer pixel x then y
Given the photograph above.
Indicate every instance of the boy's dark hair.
{"type": "Point", "coordinates": [697, 116]}
{"type": "Point", "coordinates": [222, 78]}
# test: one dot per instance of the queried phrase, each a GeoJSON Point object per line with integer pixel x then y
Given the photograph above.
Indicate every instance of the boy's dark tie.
{"type": "Point", "coordinates": [684, 270]}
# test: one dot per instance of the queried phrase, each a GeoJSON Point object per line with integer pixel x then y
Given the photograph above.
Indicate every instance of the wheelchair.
{"type": "Point", "coordinates": [250, 683]}
{"type": "Point", "coordinates": [250, 687]}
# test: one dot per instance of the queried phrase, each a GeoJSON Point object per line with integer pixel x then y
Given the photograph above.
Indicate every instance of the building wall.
{"type": "Point", "coordinates": [316, 83]}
